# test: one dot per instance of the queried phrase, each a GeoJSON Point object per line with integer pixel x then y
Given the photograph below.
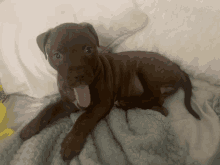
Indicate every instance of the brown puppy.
{"type": "Point", "coordinates": [134, 79]}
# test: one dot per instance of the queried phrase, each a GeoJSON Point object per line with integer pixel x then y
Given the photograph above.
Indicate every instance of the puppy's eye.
{"type": "Point", "coordinates": [57, 55]}
{"type": "Point", "coordinates": [88, 49]}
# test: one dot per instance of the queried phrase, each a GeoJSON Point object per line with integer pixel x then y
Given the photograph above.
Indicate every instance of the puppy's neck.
{"type": "Point", "coordinates": [99, 67]}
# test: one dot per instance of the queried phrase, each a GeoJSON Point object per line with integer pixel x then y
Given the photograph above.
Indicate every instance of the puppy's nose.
{"type": "Point", "coordinates": [79, 77]}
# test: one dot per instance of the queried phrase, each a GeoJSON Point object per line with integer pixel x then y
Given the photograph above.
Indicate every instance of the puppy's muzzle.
{"type": "Point", "coordinates": [79, 77]}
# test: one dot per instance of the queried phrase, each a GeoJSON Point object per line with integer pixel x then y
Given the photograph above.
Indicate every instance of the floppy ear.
{"type": "Point", "coordinates": [92, 30]}
{"type": "Point", "coordinates": [42, 40]}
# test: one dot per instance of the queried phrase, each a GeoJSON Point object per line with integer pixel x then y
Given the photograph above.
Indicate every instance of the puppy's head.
{"type": "Point", "coordinates": [71, 49]}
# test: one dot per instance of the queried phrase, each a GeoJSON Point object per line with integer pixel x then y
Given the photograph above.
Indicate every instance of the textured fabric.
{"type": "Point", "coordinates": [145, 137]}
{"type": "Point", "coordinates": [184, 31]}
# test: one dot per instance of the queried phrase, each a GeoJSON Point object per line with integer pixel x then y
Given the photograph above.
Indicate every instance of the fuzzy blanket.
{"type": "Point", "coordinates": [144, 137]}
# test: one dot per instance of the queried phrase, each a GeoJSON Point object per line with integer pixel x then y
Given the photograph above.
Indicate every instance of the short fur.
{"type": "Point", "coordinates": [72, 51]}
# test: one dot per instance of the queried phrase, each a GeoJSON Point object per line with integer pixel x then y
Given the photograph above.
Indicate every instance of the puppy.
{"type": "Point", "coordinates": [133, 79]}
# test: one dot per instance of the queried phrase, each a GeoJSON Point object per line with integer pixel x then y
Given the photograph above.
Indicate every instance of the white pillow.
{"type": "Point", "coordinates": [185, 31]}
{"type": "Point", "coordinates": [23, 67]}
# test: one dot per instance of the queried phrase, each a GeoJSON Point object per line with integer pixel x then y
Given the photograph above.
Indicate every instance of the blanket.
{"type": "Point", "coordinates": [133, 137]}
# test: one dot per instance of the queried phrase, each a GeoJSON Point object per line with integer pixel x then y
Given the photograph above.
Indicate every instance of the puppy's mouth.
{"type": "Point", "coordinates": [81, 90]}
{"type": "Point", "coordinates": [75, 83]}
{"type": "Point", "coordinates": [79, 77]}
{"type": "Point", "coordinates": [81, 82]}
{"type": "Point", "coordinates": [83, 96]}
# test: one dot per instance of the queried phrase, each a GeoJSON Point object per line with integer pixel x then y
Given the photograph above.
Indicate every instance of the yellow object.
{"type": "Point", "coordinates": [4, 131]}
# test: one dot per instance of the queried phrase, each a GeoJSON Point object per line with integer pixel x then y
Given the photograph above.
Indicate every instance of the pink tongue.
{"type": "Point", "coordinates": [82, 95]}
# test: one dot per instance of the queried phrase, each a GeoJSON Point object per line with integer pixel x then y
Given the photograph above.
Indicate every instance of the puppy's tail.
{"type": "Point", "coordinates": [187, 86]}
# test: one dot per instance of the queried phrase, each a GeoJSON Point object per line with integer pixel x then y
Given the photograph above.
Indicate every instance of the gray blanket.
{"type": "Point", "coordinates": [144, 137]}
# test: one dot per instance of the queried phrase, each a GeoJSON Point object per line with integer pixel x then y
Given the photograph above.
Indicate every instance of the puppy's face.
{"type": "Point", "coordinates": [72, 51]}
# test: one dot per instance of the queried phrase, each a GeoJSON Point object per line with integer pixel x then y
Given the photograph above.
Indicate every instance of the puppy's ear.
{"type": "Point", "coordinates": [92, 30]}
{"type": "Point", "coordinates": [42, 40]}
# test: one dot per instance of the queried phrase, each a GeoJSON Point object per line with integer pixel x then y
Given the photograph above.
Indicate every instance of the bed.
{"type": "Point", "coordinates": [187, 32]}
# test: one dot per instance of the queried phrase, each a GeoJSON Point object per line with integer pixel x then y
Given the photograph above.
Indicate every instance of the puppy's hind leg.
{"type": "Point", "coordinates": [151, 98]}
{"type": "Point", "coordinates": [151, 94]}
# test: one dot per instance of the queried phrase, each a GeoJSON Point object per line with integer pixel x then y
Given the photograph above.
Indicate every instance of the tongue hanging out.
{"type": "Point", "coordinates": [82, 95]}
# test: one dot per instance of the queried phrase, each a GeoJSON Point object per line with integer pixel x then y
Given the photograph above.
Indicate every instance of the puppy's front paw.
{"type": "Point", "coordinates": [71, 147]}
{"type": "Point", "coordinates": [27, 132]}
